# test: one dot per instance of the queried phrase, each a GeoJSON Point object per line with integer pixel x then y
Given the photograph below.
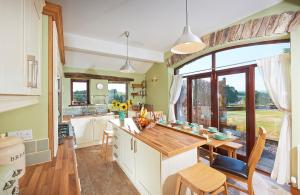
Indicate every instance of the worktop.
{"type": "Point", "coordinates": [167, 141]}
{"type": "Point", "coordinates": [151, 158]}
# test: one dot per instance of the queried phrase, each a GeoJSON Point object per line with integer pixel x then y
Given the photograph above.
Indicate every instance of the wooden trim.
{"type": "Point", "coordinates": [50, 86]}
{"type": "Point", "coordinates": [77, 75]}
{"type": "Point", "coordinates": [55, 11]}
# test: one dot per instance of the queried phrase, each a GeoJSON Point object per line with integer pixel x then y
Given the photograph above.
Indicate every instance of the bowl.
{"type": "Point", "coordinates": [212, 129]}
{"type": "Point", "coordinates": [220, 136]}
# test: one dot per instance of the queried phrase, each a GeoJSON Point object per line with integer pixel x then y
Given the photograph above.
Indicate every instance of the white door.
{"type": "Point", "coordinates": [147, 168]}
{"type": "Point", "coordinates": [127, 159]}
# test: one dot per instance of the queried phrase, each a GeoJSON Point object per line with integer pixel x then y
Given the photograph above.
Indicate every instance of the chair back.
{"type": "Point", "coordinates": [257, 150]}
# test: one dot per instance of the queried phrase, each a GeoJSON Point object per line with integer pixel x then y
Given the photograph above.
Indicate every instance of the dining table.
{"type": "Point", "coordinates": [212, 142]}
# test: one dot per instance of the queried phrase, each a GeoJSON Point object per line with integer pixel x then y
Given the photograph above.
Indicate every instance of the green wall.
{"type": "Point", "coordinates": [158, 91]}
{"type": "Point", "coordinates": [138, 78]}
{"type": "Point", "coordinates": [33, 117]}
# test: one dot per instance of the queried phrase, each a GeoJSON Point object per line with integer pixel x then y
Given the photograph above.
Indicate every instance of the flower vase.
{"type": "Point", "coordinates": [122, 115]}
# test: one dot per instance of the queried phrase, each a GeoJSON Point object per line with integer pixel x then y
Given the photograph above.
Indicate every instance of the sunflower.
{"type": "Point", "coordinates": [129, 103]}
{"type": "Point", "coordinates": [114, 103]}
{"type": "Point", "coordinates": [123, 106]}
{"type": "Point", "coordinates": [118, 104]}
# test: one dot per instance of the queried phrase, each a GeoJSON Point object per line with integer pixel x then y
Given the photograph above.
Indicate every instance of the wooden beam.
{"type": "Point", "coordinates": [50, 86]}
{"type": "Point", "coordinates": [76, 75]}
{"type": "Point", "coordinates": [55, 12]}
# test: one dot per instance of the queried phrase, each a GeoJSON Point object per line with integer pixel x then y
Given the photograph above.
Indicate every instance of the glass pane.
{"type": "Point", "coordinates": [79, 93]}
{"type": "Point", "coordinates": [117, 91]}
{"type": "Point", "coordinates": [269, 117]}
{"type": "Point", "coordinates": [246, 55]}
{"type": "Point", "coordinates": [199, 65]}
{"type": "Point", "coordinates": [232, 107]}
{"type": "Point", "coordinates": [201, 101]}
{"type": "Point", "coordinates": [181, 105]}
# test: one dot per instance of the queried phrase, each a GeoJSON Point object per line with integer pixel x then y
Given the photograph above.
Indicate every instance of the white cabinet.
{"type": "Point", "coordinates": [89, 130]}
{"type": "Point", "coordinates": [20, 49]}
{"type": "Point", "coordinates": [140, 162]}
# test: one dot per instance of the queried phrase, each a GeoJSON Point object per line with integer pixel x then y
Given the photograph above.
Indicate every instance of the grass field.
{"type": "Point", "coordinates": [269, 119]}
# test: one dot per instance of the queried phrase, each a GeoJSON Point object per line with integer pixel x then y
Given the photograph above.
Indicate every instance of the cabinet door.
{"type": "Point", "coordinates": [127, 158]}
{"type": "Point", "coordinates": [147, 168]}
{"type": "Point", "coordinates": [83, 130]}
{"type": "Point", "coordinates": [11, 47]}
{"type": "Point", "coordinates": [33, 42]}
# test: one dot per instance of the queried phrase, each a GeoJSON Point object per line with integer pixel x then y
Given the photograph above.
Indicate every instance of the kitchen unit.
{"type": "Point", "coordinates": [152, 157]}
{"type": "Point", "coordinates": [88, 130]}
{"type": "Point", "coordinates": [20, 53]}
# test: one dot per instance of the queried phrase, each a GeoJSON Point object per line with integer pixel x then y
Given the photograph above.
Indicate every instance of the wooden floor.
{"type": "Point", "coordinates": [100, 177]}
{"type": "Point", "coordinates": [56, 177]}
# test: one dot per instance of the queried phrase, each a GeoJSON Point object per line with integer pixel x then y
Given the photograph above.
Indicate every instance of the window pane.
{"type": "Point", "coordinates": [199, 65]}
{"type": "Point", "coordinates": [269, 117]}
{"type": "Point", "coordinates": [246, 55]}
{"type": "Point", "coordinates": [117, 91]}
{"type": "Point", "coordinates": [232, 107]}
{"type": "Point", "coordinates": [201, 101]}
{"type": "Point", "coordinates": [181, 105]}
{"type": "Point", "coordinates": [80, 92]}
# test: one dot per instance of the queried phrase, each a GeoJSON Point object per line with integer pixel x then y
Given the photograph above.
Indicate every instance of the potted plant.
{"type": "Point", "coordinates": [122, 108]}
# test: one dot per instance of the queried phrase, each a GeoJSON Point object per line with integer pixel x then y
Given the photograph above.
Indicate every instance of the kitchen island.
{"type": "Point", "coordinates": [152, 157]}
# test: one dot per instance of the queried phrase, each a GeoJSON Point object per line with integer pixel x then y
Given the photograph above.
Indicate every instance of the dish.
{"type": "Point", "coordinates": [212, 129]}
{"type": "Point", "coordinates": [220, 136]}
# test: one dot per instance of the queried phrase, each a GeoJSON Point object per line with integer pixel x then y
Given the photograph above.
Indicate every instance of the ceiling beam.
{"type": "Point", "coordinates": [100, 47]}
{"type": "Point", "coordinates": [78, 75]}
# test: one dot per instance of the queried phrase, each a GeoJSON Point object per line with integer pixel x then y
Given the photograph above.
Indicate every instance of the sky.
{"type": "Point", "coordinates": [238, 56]}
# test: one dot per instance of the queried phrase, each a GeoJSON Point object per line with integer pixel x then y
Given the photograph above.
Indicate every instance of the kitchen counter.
{"type": "Point", "coordinates": [67, 118]}
{"type": "Point", "coordinates": [165, 140]}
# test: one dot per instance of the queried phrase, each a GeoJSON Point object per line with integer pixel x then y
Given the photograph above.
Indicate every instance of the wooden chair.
{"type": "Point", "coordinates": [202, 179]}
{"type": "Point", "coordinates": [238, 170]}
{"type": "Point", "coordinates": [106, 135]}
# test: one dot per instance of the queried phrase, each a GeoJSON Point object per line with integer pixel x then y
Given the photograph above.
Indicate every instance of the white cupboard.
{"type": "Point", "coordinates": [89, 130]}
{"type": "Point", "coordinates": [140, 162]}
{"type": "Point", "coordinates": [20, 51]}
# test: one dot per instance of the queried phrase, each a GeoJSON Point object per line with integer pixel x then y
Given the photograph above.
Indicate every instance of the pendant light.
{"type": "Point", "coordinates": [127, 67]}
{"type": "Point", "coordinates": [188, 42]}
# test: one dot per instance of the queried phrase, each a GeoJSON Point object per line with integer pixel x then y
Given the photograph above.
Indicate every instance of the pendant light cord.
{"type": "Point", "coordinates": [186, 13]}
{"type": "Point", "coordinates": [127, 36]}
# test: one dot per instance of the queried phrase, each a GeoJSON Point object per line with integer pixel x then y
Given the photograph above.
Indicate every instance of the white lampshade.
{"type": "Point", "coordinates": [188, 43]}
{"type": "Point", "coordinates": [127, 67]}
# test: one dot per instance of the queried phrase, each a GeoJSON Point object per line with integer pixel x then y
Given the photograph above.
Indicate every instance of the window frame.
{"type": "Point", "coordinates": [249, 70]}
{"type": "Point", "coordinates": [118, 82]}
{"type": "Point", "coordinates": [88, 91]}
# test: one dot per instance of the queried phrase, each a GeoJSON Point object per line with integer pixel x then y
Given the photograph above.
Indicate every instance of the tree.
{"type": "Point", "coordinates": [231, 94]}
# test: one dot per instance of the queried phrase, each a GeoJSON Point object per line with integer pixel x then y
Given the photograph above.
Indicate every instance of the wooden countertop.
{"type": "Point", "coordinates": [167, 141]}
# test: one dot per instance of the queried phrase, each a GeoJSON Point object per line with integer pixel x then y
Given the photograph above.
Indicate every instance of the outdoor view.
{"type": "Point", "coordinates": [232, 98]}
{"type": "Point", "coordinates": [80, 95]}
{"type": "Point", "coordinates": [117, 91]}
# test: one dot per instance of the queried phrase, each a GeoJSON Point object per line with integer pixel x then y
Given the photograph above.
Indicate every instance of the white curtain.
{"type": "Point", "coordinates": [174, 95]}
{"type": "Point", "coordinates": [276, 73]}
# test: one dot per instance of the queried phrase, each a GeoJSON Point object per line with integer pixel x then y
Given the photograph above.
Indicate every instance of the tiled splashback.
{"type": "Point", "coordinates": [79, 110]}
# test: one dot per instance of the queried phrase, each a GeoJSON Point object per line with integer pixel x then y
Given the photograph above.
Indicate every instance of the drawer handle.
{"type": "Point", "coordinates": [135, 146]}
{"type": "Point", "coordinates": [115, 146]}
{"type": "Point", "coordinates": [131, 144]}
{"type": "Point", "coordinates": [9, 184]}
{"type": "Point", "coordinates": [115, 155]}
{"type": "Point", "coordinates": [116, 137]}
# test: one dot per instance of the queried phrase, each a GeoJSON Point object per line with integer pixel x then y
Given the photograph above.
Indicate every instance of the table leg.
{"type": "Point", "coordinates": [211, 154]}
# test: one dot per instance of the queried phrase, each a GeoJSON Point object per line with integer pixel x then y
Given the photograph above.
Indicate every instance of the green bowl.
{"type": "Point", "coordinates": [212, 129]}
{"type": "Point", "coordinates": [220, 136]}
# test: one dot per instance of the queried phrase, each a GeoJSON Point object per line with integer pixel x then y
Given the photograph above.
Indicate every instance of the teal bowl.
{"type": "Point", "coordinates": [220, 136]}
{"type": "Point", "coordinates": [212, 129]}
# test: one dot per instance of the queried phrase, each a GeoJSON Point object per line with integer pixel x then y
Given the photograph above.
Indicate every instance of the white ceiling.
{"type": "Point", "coordinates": [92, 61]}
{"type": "Point", "coordinates": [154, 25]}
